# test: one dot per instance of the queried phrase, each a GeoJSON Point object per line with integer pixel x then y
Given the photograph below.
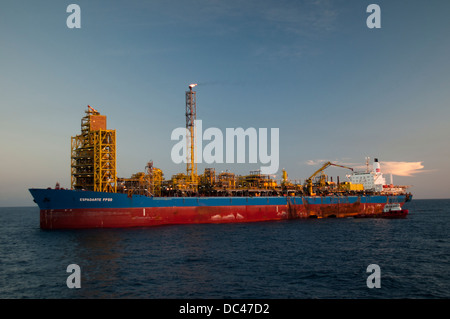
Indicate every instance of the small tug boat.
{"type": "Point", "coordinates": [394, 211]}
{"type": "Point", "coordinates": [390, 210]}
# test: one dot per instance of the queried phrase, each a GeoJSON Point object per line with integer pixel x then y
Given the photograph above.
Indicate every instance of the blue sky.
{"type": "Point", "coordinates": [336, 89]}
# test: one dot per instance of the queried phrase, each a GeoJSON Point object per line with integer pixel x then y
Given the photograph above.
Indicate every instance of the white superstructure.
{"type": "Point", "coordinates": [371, 181]}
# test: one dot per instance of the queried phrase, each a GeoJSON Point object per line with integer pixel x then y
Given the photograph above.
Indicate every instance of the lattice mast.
{"type": "Point", "coordinates": [191, 116]}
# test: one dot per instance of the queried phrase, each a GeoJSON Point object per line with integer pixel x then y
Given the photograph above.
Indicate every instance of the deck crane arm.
{"type": "Point", "coordinates": [326, 165]}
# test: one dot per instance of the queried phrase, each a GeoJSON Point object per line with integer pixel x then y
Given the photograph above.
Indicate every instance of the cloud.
{"type": "Point", "coordinates": [402, 168]}
{"type": "Point", "coordinates": [394, 168]}
{"type": "Point", "coordinates": [315, 162]}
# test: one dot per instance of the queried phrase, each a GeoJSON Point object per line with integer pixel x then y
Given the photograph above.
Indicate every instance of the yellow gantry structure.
{"type": "Point", "coordinates": [93, 155]}
{"type": "Point", "coordinates": [322, 177]}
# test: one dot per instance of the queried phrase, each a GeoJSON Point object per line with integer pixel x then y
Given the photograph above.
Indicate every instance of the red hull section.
{"type": "Point", "coordinates": [154, 216]}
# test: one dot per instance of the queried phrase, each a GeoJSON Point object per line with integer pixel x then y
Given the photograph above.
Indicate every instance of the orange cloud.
{"type": "Point", "coordinates": [401, 168]}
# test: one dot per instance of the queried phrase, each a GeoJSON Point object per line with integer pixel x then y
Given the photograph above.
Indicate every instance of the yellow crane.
{"type": "Point", "coordinates": [309, 181]}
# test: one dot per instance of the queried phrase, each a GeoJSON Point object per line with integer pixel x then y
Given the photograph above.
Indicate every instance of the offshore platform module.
{"type": "Point", "coordinates": [98, 198]}
{"type": "Point", "coordinates": [93, 158]}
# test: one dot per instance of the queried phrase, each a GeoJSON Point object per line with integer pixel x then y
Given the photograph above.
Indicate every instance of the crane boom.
{"type": "Point", "coordinates": [325, 166]}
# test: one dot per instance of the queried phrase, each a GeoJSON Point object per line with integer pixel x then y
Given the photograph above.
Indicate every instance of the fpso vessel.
{"type": "Point", "coordinates": [97, 198]}
{"type": "Point", "coordinates": [87, 209]}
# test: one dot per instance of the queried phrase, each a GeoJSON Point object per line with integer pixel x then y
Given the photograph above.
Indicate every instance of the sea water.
{"type": "Point", "coordinates": [297, 259]}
